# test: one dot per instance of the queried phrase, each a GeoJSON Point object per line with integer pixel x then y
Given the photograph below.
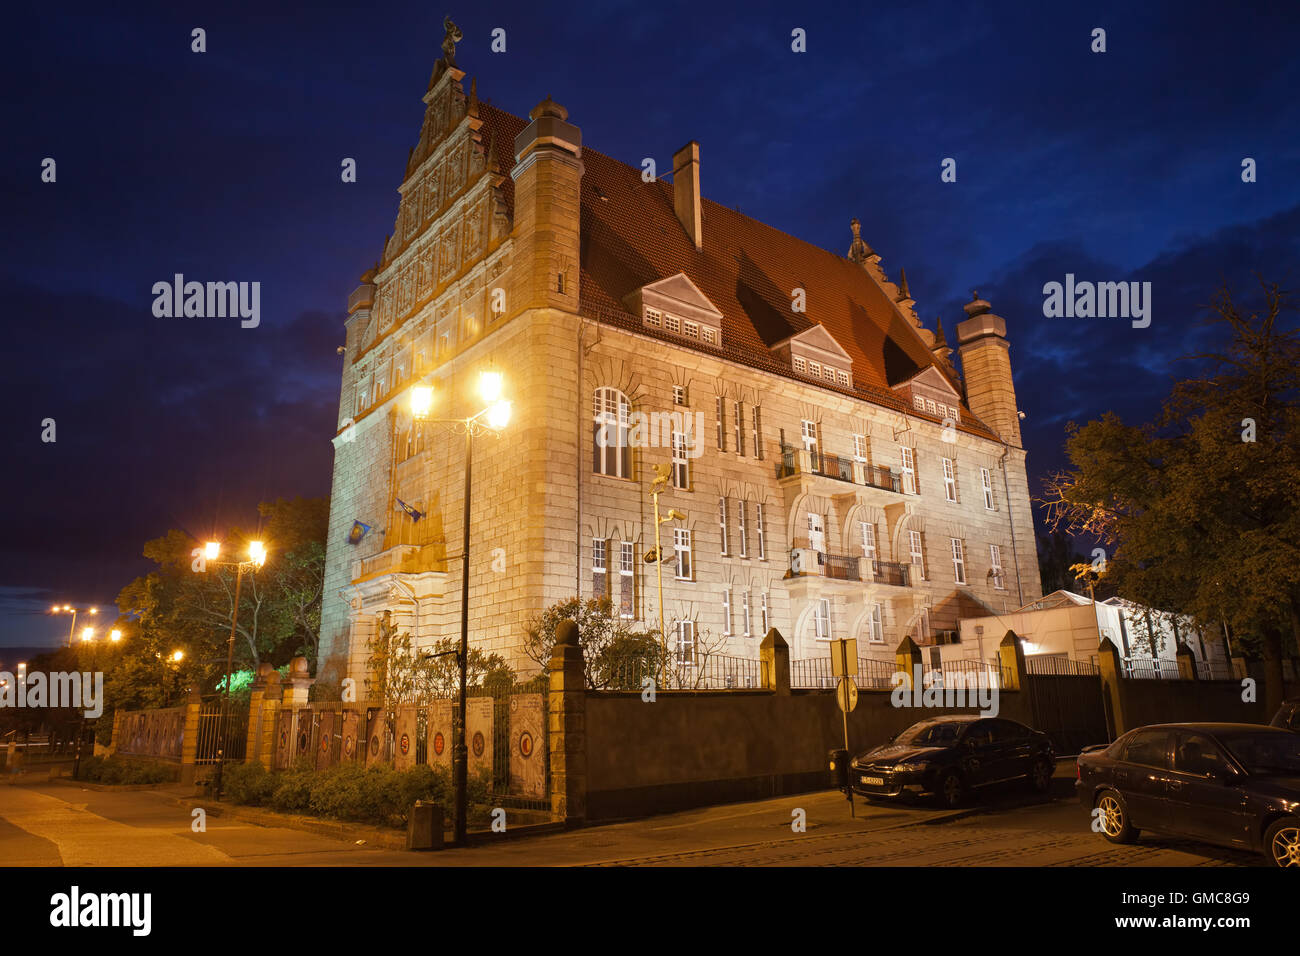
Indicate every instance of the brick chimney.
{"type": "Point", "coordinates": [686, 191]}
{"type": "Point", "coordinates": [548, 180]}
{"type": "Point", "coordinates": [986, 369]}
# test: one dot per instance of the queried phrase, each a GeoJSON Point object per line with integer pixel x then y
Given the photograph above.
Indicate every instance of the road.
{"type": "Point", "coordinates": [59, 823]}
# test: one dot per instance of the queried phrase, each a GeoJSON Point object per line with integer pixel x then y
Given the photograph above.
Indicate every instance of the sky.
{"type": "Point", "coordinates": [1123, 165]}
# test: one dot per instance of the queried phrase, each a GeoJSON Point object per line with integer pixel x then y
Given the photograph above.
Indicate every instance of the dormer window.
{"type": "Point", "coordinates": [691, 330]}
{"type": "Point", "coordinates": [654, 318]}
{"type": "Point", "coordinates": [841, 378]}
{"type": "Point", "coordinates": [710, 337]}
{"type": "Point", "coordinates": [800, 365]}
{"type": "Point", "coordinates": [918, 403]}
{"type": "Point", "coordinates": [676, 305]}
{"type": "Point", "coordinates": [673, 324]}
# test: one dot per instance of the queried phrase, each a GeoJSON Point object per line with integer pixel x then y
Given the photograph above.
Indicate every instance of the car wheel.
{"type": "Point", "coordinates": [951, 790]}
{"type": "Point", "coordinates": [1282, 842]}
{"type": "Point", "coordinates": [1115, 825]}
{"type": "Point", "coordinates": [1040, 775]}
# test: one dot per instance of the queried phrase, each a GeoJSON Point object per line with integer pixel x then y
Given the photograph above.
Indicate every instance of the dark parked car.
{"type": "Point", "coordinates": [1288, 715]}
{"type": "Point", "coordinates": [1235, 785]}
{"type": "Point", "coordinates": [951, 756]}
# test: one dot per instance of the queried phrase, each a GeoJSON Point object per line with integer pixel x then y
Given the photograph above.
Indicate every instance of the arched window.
{"type": "Point", "coordinates": [611, 453]}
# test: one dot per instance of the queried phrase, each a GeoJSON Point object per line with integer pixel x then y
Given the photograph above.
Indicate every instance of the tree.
{"type": "Point", "coordinates": [1199, 505]}
{"type": "Point", "coordinates": [399, 673]}
{"type": "Point", "coordinates": [611, 648]}
{"type": "Point", "coordinates": [1056, 554]}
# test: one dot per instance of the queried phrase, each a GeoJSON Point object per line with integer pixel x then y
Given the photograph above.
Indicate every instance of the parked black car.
{"type": "Point", "coordinates": [1235, 785]}
{"type": "Point", "coordinates": [1288, 715]}
{"type": "Point", "coordinates": [951, 756]}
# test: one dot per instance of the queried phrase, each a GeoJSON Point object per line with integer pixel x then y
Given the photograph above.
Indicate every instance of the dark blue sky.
{"type": "Point", "coordinates": [225, 166]}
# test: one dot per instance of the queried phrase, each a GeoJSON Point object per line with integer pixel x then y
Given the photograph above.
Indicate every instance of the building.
{"type": "Point", "coordinates": [1069, 626]}
{"type": "Point", "coordinates": [838, 477]}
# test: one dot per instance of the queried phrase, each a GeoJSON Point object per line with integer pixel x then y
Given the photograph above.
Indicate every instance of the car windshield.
{"type": "Point", "coordinates": [931, 735]}
{"type": "Point", "coordinates": [1264, 753]}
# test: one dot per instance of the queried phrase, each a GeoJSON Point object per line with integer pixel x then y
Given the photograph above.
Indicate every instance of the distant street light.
{"type": "Point", "coordinates": [69, 609]}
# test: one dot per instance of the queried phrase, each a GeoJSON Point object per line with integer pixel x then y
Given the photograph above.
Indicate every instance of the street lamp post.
{"type": "Point", "coordinates": [492, 419]}
{"type": "Point", "coordinates": [256, 558]}
{"type": "Point", "coordinates": [88, 637]}
{"type": "Point", "coordinates": [657, 487]}
{"type": "Point", "coordinates": [69, 609]}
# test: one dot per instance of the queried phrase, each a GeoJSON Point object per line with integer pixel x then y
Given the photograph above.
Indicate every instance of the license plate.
{"type": "Point", "coordinates": [873, 781]}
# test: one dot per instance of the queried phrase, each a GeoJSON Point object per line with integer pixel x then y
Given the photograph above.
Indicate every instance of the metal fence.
{"type": "Point", "coordinates": [1060, 666]}
{"type": "Point", "coordinates": [1213, 670]}
{"type": "Point", "coordinates": [968, 674]}
{"type": "Point", "coordinates": [700, 672]}
{"type": "Point", "coordinates": [815, 674]}
{"type": "Point", "coordinates": [1149, 669]}
{"type": "Point", "coordinates": [159, 732]}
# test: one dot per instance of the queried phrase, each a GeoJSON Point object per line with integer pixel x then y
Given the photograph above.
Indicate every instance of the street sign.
{"type": "Point", "coordinates": [846, 694]}
{"type": "Point", "coordinates": [844, 658]}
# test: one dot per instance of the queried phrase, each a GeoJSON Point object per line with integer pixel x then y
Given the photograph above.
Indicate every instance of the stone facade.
{"type": "Point", "coordinates": [488, 270]}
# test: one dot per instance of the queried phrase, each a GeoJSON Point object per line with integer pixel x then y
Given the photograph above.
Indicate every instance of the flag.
{"type": "Point", "coordinates": [359, 529]}
{"type": "Point", "coordinates": [414, 514]}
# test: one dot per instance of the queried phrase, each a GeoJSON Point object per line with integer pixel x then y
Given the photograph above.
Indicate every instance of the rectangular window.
{"type": "Point", "coordinates": [823, 619]}
{"type": "Point", "coordinates": [685, 642]}
{"type": "Point", "coordinates": [722, 424]}
{"type": "Point", "coordinates": [877, 625]}
{"type": "Point", "coordinates": [986, 482]}
{"type": "Point", "coordinates": [722, 524]}
{"type": "Point", "coordinates": [841, 378]}
{"type": "Point", "coordinates": [611, 451]}
{"type": "Point", "coordinates": [809, 432]}
{"type": "Point", "coordinates": [744, 611]}
{"type": "Point", "coordinates": [943, 410]}
{"type": "Point", "coordinates": [949, 479]}
{"type": "Point", "coordinates": [758, 439]}
{"type": "Point", "coordinates": [828, 373]}
{"type": "Point", "coordinates": [627, 580]}
{"type": "Point", "coordinates": [758, 526]}
{"type": "Point", "coordinates": [868, 540]}
{"type": "Point", "coordinates": [918, 403]}
{"type": "Point", "coordinates": [691, 330]}
{"type": "Point", "coordinates": [673, 324]}
{"type": "Point", "coordinates": [741, 508]}
{"type": "Point", "coordinates": [599, 575]}
{"type": "Point", "coordinates": [681, 462]}
{"type": "Point", "coordinates": [929, 406]}
{"type": "Point", "coordinates": [652, 317]}
{"type": "Point", "coordinates": [682, 545]}
{"type": "Point", "coordinates": [710, 337]}
{"type": "Point", "coordinates": [815, 369]}
{"type": "Point", "coordinates": [726, 611]}
{"type": "Point", "coordinates": [860, 448]}
{"type": "Point", "coordinates": [995, 566]}
{"type": "Point", "coordinates": [679, 394]}
{"type": "Point", "coordinates": [908, 457]}
{"type": "Point", "coordinates": [916, 553]}
{"type": "Point", "coordinates": [958, 562]}
{"type": "Point", "coordinates": [763, 612]}
{"type": "Point", "coordinates": [739, 411]}
{"type": "Point", "coordinates": [799, 364]}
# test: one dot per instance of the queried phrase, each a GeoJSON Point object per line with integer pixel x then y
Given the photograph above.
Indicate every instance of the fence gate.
{"type": "Point", "coordinates": [1067, 698]}
{"type": "Point", "coordinates": [212, 733]}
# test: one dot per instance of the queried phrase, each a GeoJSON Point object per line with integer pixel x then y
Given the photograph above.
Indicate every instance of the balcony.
{"type": "Point", "coordinates": [891, 572]}
{"type": "Point", "coordinates": [805, 562]}
{"type": "Point", "coordinates": [803, 461]}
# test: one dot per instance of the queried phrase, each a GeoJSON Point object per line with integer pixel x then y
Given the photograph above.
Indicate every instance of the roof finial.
{"type": "Point", "coordinates": [902, 285]}
{"type": "Point", "coordinates": [859, 251]}
{"type": "Point", "coordinates": [449, 41]}
{"type": "Point", "coordinates": [939, 340]}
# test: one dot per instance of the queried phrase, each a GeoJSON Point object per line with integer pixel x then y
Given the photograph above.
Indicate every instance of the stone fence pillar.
{"type": "Point", "coordinates": [1011, 657]}
{"type": "Point", "coordinates": [1112, 684]}
{"type": "Point", "coordinates": [907, 660]}
{"type": "Point", "coordinates": [567, 723]}
{"type": "Point", "coordinates": [1186, 663]}
{"type": "Point", "coordinates": [263, 716]}
{"type": "Point", "coordinates": [774, 660]}
{"type": "Point", "coordinates": [190, 737]}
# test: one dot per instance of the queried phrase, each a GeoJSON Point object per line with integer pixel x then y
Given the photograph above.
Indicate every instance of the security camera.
{"type": "Point", "coordinates": [340, 350]}
{"type": "Point", "coordinates": [1021, 415]}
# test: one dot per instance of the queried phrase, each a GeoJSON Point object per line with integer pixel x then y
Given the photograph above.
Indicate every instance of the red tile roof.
{"type": "Point", "coordinates": [630, 237]}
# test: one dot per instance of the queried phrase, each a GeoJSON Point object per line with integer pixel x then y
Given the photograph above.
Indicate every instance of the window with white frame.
{"type": "Point", "coordinates": [916, 553]}
{"type": "Point", "coordinates": [799, 364]}
{"type": "Point", "coordinates": [726, 611]}
{"type": "Point", "coordinates": [908, 461]}
{"type": "Point", "coordinates": [986, 482]}
{"type": "Point", "coordinates": [918, 403]}
{"type": "Point", "coordinates": [722, 525]}
{"type": "Point", "coordinates": [682, 545]}
{"type": "Point", "coordinates": [738, 412]}
{"type": "Point", "coordinates": [808, 431]}
{"type": "Point", "coordinates": [722, 424]}
{"type": "Point", "coordinates": [930, 406]}
{"type": "Point", "coordinates": [691, 329]}
{"type": "Point", "coordinates": [611, 451]}
{"type": "Point", "coordinates": [654, 317]}
{"type": "Point", "coordinates": [599, 568]}
{"type": "Point", "coordinates": [876, 625]}
{"type": "Point", "coordinates": [868, 530]}
{"type": "Point", "coordinates": [755, 415]}
{"type": "Point", "coordinates": [995, 566]}
{"type": "Point", "coordinates": [681, 462]}
{"type": "Point", "coordinates": [815, 369]}
{"type": "Point", "coordinates": [949, 479]}
{"type": "Point", "coordinates": [828, 373]}
{"type": "Point", "coordinates": [627, 579]}
{"type": "Point", "coordinates": [710, 337]}
{"type": "Point", "coordinates": [744, 611]}
{"type": "Point", "coordinates": [923, 626]}
{"type": "Point", "coordinates": [842, 378]}
{"type": "Point", "coordinates": [822, 617]}
{"type": "Point", "coordinates": [685, 634]}
{"type": "Point", "coordinates": [673, 324]}
{"type": "Point", "coordinates": [758, 529]}
{"type": "Point", "coordinates": [741, 530]}
{"type": "Point", "coordinates": [679, 394]}
{"type": "Point", "coordinates": [763, 611]}
{"type": "Point", "coordinates": [860, 448]}
{"type": "Point", "coordinates": [958, 562]}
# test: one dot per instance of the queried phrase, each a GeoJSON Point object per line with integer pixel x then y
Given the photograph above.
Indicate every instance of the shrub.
{"type": "Point", "coordinates": [249, 783]}
{"type": "Point", "coordinates": [116, 771]}
{"type": "Point", "coordinates": [292, 791]}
